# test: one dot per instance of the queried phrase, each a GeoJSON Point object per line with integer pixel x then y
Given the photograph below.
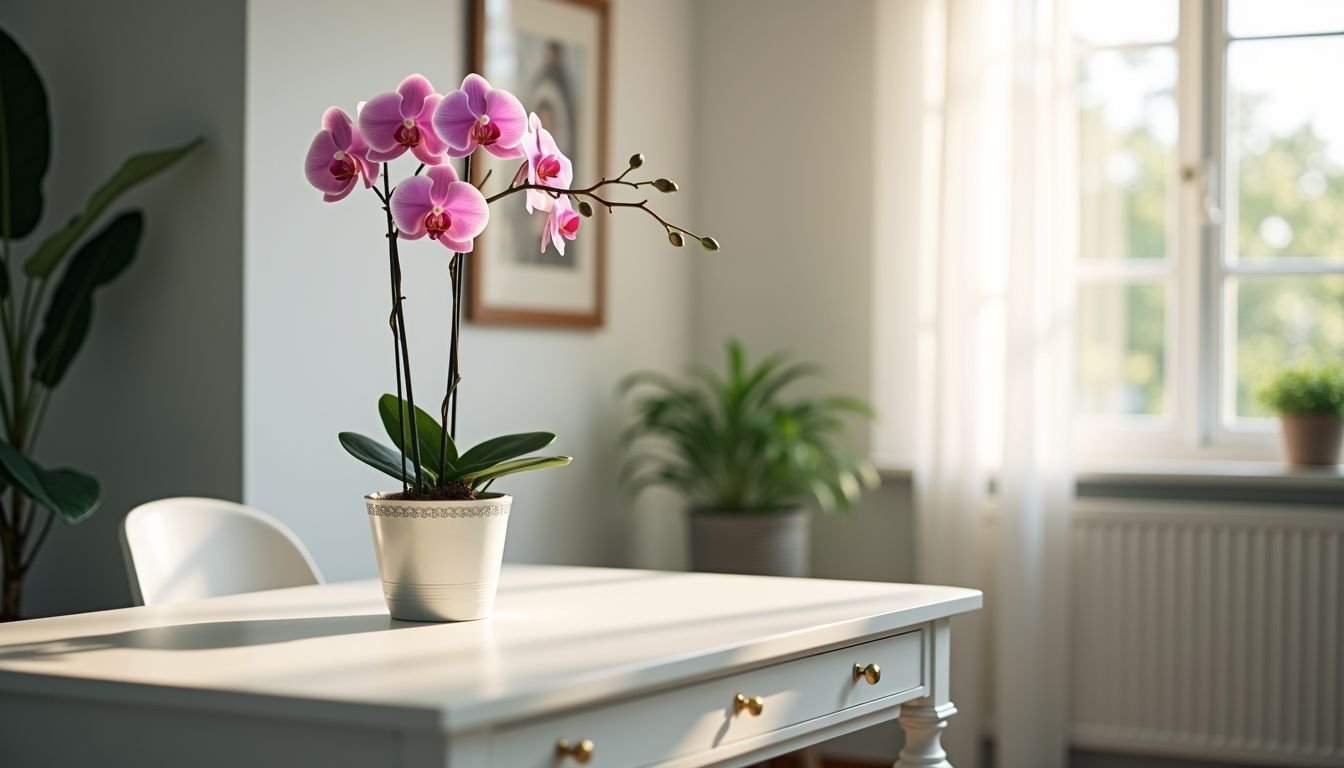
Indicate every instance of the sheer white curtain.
{"type": "Point", "coordinates": [993, 474]}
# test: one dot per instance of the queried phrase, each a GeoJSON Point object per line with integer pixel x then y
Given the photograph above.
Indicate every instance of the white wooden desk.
{"type": "Point", "coordinates": [647, 666]}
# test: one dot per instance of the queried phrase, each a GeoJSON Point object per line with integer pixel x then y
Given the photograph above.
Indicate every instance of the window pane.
{"type": "Point", "coordinates": [1283, 319]}
{"type": "Point", "coordinates": [1127, 142]}
{"type": "Point", "coordinates": [1122, 349]}
{"type": "Point", "coordinates": [1108, 22]}
{"type": "Point", "coordinates": [1286, 148]}
{"type": "Point", "coordinates": [1248, 18]}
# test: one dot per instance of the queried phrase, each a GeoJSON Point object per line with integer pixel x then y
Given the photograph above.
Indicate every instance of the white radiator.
{"type": "Point", "coordinates": [1209, 631]}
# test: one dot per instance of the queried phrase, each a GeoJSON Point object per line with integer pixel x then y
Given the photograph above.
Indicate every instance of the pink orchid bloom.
{"type": "Point", "coordinates": [481, 116]}
{"type": "Point", "coordinates": [338, 157]}
{"type": "Point", "coordinates": [437, 204]}
{"type": "Point", "coordinates": [392, 123]}
{"type": "Point", "coordinates": [562, 224]}
{"type": "Point", "coordinates": [546, 165]}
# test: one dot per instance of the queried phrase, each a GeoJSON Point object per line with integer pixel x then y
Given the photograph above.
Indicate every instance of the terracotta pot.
{"type": "Point", "coordinates": [1312, 439]}
{"type": "Point", "coordinates": [760, 543]}
{"type": "Point", "coordinates": [439, 560]}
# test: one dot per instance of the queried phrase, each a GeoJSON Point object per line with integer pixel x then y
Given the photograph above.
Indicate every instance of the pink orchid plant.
{"type": "Point", "coordinates": [436, 203]}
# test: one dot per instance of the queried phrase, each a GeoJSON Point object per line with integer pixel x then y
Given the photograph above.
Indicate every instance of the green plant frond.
{"type": "Point", "coordinates": [648, 378]}
{"type": "Point", "coordinates": [853, 405]}
{"type": "Point", "coordinates": [822, 492]}
{"type": "Point", "coordinates": [732, 442]}
{"type": "Point", "coordinates": [712, 380]}
{"type": "Point", "coordinates": [783, 378]}
{"type": "Point", "coordinates": [758, 376]}
{"type": "Point", "coordinates": [737, 363]}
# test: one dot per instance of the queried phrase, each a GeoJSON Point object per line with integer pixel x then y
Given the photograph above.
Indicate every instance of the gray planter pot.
{"type": "Point", "coordinates": [759, 543]}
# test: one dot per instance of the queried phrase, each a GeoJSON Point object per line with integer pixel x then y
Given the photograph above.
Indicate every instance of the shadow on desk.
{"type": "Point", "coordinates": [209, 635]}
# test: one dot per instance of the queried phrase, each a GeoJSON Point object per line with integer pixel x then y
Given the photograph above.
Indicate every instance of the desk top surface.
{"type": "Point", "coordinates": [560, 637]}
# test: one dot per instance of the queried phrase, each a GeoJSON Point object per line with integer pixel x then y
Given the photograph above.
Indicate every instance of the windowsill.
{"type": "Point", "coordinates": [1263, 482]}
{"type": "Point", "coordinates": [1213, 480]}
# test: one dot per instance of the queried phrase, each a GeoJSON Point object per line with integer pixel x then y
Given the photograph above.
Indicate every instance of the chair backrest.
{"type": "Point", "coordinates": [190, 548]}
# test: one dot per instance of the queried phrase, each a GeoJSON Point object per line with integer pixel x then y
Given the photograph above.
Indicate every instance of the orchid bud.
{"type": "Point", "coordinates": [675, 238]}
{"type": "Point", "coordinates": [636, 159]}
{"type": "Point", "coordinates": [585, 208]}
{"type": "Point", "coordinates": [665, 185]}
{"type": "Point", "coordinates": [709, 243]}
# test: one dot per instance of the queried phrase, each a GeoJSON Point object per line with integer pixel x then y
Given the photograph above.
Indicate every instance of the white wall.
{"type": "Point", "coordinates": [800, 104]}
{"type": "Point", "coordinates": [152, 405]}
{"type": "Point", "coordinates": [316, 345]}
{"type": "Point", "coordinates": [814, 239]}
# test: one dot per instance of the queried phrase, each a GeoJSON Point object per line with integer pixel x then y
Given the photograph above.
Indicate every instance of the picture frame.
{"type": "Point", "coordinates": [554, 56]}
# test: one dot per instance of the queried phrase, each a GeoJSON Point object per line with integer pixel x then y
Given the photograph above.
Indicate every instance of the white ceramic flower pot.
{"type": "Point", "coordinates": [439, 560]}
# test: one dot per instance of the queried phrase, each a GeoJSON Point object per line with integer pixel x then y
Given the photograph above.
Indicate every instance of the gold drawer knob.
{"type": "Point", "coordinates": [581, 751]}
{"type": "Point", "coordinates": [872, 673]}
{"type": "Point", "coordinates": [753, 704]}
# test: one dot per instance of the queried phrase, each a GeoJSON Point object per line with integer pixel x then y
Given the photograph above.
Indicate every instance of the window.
{"type": "Point", "coordinates": [1211, 214]}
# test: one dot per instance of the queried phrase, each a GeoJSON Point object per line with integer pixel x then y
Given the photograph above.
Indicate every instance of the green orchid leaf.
{"type": "Point", "coordinates": [74, 494]}
{"type": "Point", "coordinates": [380, 457]}
{"type": "Point", "coordinates": [497, 449]}
{"type": "Point", "coordinates": [428, 429]}
{"type": "Point", "coordinates": [515, 466]}
{"type": "Point", "coordinates": [25, 142]}
{"type": "Point", "coordinates": [99, 261]}
{"type": "Point", "coordinates": [134, 171]}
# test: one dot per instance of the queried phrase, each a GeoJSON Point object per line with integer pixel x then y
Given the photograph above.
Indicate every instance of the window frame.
{"type": "Point", "coordinates": [1201, 333]}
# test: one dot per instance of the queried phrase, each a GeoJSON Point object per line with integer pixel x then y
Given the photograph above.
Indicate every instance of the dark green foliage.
{"type": "Point", "coordinates": [475, 468]}
{"type": "Point", "coordinates": [735, 443]}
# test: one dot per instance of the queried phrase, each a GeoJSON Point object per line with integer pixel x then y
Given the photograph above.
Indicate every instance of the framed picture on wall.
{"type": "Point", "coordinates": [551, 54]}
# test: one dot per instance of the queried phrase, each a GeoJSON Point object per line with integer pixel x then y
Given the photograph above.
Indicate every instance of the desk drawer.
{"type": "Point", "coordinates": [647, 730]}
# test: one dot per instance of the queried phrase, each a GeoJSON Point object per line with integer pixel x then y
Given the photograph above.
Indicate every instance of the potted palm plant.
{"type": "Point", "coordinates": [748, 460]}
{"type": "Point", "coordinates": [439, 536]}
{"type": "Point", "coordinates": [1310, 402]}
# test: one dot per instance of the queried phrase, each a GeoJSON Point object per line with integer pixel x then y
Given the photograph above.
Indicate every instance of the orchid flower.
{"type": "Point", "coordinates": [338, 157]}
{"type": "Point", "coordinates": [394, 122]}
{"type": "Point", "coordinates": [437, 204]}
{"type": "Point", "coordinates": [562, 224]}
{"type": "Point", "coordinates": [546, 165]}
{"type": "Point", "coordinates": [478, 115]}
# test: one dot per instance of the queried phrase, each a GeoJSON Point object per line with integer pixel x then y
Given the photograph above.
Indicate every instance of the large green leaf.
{"type": "Point", "coordinates": [428, 429]}
{"type": "Point", "coordinates": [74, 494]}
{"type": "Point", "coordinates": [97, 262]}
{"type": "Point", "coordinates": [497, 449]}
{"type": "Point", "coordinates": [137, 169]}
{"type": "Point", "coordinates": [517, 465]}
{"type": "Point", "coordinates": [21, 473]}
{"type": "Point", "coordinates": [380, 457]}
{"type": "Point", "coordinates": [25, 141]}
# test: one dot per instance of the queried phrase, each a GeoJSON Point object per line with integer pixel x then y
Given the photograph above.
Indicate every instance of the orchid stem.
{"type": "Point", "coordinates": [408, 411]}
{"type": "Point", "coordinates": [591, 192]}
{"type": "Point", "coordinates": [456, 270]}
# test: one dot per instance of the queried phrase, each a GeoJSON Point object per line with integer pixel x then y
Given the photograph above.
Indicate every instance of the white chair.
{"type": "Point", "coordinates": [189, 548]}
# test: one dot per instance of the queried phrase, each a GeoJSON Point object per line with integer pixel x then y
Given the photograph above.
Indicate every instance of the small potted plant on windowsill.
{"type": "Point", "coordinates": [746, 459]}
{"type": "Point", "coordinates": [1310, 402]}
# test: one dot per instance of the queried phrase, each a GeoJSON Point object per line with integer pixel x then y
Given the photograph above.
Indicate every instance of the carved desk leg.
{"type": "Point", "coordinates": [923, 723]}
{"type": "Point", "coordinates": [923, 720]}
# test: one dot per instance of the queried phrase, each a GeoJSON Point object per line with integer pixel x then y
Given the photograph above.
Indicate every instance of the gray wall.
{"type": "Point", "coordinates": [153, 404]}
